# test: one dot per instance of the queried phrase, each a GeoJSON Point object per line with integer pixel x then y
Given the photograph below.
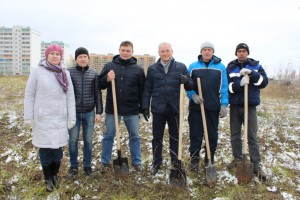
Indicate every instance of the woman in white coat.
{"type": "Point", "coordinates": [49, 107]}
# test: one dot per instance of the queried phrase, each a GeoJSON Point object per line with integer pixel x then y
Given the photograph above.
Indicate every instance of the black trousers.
{"type": "Point", "coordinates": [197, 132]}
{"type": "Point", "coordinates": [158, 124]}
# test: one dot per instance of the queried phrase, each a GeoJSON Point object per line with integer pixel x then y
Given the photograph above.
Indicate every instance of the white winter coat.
{"type": "Point", "coordinates": [49, 107]}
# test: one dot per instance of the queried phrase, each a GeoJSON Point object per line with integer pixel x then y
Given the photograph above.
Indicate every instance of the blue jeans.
{"type": "Point", "coordinates": [87, 121]}
{"type": "Point", "coordinates": [132, 125]}
{"type": "Point", "coordinates": [47, 156]}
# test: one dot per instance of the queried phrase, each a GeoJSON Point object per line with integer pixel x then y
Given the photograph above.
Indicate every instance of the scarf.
{"type": "Point", "coordinates": [60, 75]}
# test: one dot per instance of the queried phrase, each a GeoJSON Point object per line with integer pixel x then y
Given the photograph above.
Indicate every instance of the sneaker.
{"type": "Point", "coordinates": [138, 167]}
{"type": "Point", "coordinates": [260, 173]}
{"type": "Point", "coordinates": [233, 163]}
{"type": "Point", "coordinates": [155, 169]}
{"type": "Point", "coordinates": [103, 168]}
{"type": "Point", "coordinates": [88, 171]}
{"type": "Point", "coordinates": [73, 172]}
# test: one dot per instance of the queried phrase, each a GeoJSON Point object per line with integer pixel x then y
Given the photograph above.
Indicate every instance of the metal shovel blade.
{"type": "Point", "coordinates": [178, 176]}
{"type": "Point", "coordinates": [244, 171]}
{"type": "Point", "coordinates": [121, 165]}
{"type": "Point", "coordinates": [211, 175]}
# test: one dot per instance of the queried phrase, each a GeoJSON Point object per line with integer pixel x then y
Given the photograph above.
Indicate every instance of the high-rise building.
{"type": "Point", "coordinates": [67, 58]}
{"type": "Point", "coordinates": [97, 61]}
{"type": "Point", "coordinates": [145, 61]}
{"type": "Point", "coordinates": [19, 50]}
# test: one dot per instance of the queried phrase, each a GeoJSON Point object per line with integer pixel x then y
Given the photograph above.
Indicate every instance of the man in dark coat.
{"type": "Point", "coordinates": [88, 97]}
{"type": "Point", "coordinates": [257, 79]}
{"type": "Point", "coordinates": [163, 86]}
{"type": "Point", "coordinates": [129, 80]}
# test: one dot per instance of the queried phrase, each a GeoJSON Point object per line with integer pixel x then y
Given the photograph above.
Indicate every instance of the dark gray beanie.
{"type": "Point", "coordinates": [242, 46]}
{"type": "Point", "coordinates": [81, 50]}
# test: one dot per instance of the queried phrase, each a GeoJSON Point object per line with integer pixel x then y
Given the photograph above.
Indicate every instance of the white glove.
{"type": "Point", "coordinates": [197, 99]}
{"type": "Point", "coordinates": [244, 81]}
{"type": "Point", "coordinates": [30, 122]}
{"type": "Point", "coordinates": [245, 71]}
{"type": "Point", "coordinates": [71, 124]}
{"type": "Point", "coordinates": [223, 112]}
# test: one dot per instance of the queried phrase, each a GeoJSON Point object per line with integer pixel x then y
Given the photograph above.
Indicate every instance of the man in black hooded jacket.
{"type": "Point", "coordinates": [129, 80]}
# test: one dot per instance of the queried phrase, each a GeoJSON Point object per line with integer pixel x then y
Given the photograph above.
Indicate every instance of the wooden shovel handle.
{"type": "Point", "coordinates": [113, 87]}
{"type": "Point", "coordinates": [245, 149]}
{"type": "Point", "coordinates": [204, 120]}
{"type": "Point", "coordinates": [181, 102]}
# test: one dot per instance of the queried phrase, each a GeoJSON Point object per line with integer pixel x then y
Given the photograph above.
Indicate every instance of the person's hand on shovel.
{"type": "Point", "coordinates": [244, 81]}
{"type": "Point", "coordinates": [110, 76]}
{"type": "Point", "coordinates": [183, 79]}
{"type": "Point", "coordinates": [197, 99]}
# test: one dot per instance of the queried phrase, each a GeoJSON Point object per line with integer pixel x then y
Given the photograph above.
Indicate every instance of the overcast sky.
{"type": "Point", "coordinates": [271, 28]}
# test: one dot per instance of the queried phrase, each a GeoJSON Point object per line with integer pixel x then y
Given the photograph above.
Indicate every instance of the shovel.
{"type": "Point", "coordinates": [244, 169]}
{"type": "Point", "coordinates": [121, 163]}
{"type": "Point", "coordinates": [211, 175]}
{"type": "Point", "coordinates": [178, 176]}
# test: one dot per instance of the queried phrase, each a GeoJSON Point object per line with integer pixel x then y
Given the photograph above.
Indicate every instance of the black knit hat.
{"type": "Point", "coordinates": [81, 50]}
{"type": "Point", "coordinates": [242, 46]}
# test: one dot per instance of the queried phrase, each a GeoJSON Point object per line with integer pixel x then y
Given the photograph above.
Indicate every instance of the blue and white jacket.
{"type": "Point", "coordinates": [214, 84]}
{"type": "Point", "coordinates": [258, 80]}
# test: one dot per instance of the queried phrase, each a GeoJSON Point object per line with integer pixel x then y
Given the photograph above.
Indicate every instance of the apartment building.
{"type": "Point", "coordinates": [67, 58]}
{"type": "Point", "coordinates": [145, 61]}
{"type": "Point", "coordinates": [99, 60]}
{"type": "Point", "coordinates": [19, 50]}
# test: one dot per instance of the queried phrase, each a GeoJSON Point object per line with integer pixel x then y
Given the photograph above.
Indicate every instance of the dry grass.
{"type": "Point", "coordinates": [16, 143]}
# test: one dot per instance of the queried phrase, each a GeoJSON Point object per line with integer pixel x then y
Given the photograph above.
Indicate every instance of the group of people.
{"type": "Point", "coordinates": [59, 100]}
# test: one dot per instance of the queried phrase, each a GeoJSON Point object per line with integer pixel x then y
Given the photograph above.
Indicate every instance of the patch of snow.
{"type": "Point", "coordinates": [9, 151]}
{"type": "Point", "coordinates": [14, 179]}
{"type": "Point", "coordinates": [272, 189]}
{"type": "Point", "coordinates": [76, 197]}
{"type": "Point", "coordinates": [225, 176]}
{"type": "Point", "coordinates": [287, 196]}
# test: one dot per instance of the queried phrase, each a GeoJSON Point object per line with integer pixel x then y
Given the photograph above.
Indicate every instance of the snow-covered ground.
{"type": "Point", "coordinates": [279, 136]}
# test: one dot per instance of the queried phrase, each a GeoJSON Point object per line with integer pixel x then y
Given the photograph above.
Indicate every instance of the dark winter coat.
{"type": "Point", "coordinates": [86, 88]}
{"type": "Point", "coordinates": [258, 80]}
{"type": "Point", "coordinates": [164, 89]}
{"type": "Point", "coordinates": [129, 80]}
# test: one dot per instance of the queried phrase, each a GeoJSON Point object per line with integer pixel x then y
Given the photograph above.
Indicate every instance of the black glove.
{"type": "Point", "coordinates": [183, 79]}
{"type": "Point", "coordinates": [146, 114]}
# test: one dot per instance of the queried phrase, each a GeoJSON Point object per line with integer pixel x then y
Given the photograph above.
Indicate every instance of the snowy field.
{"type": "Point", "coordinates": [279, 135]}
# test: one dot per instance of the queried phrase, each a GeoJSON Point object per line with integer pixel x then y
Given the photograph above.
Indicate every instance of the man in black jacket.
{"type": "Point", "coordinates": [163, 86]}
{"type": "Point", "coordinates": [87, 97]}
{"type": "Point", "coordinates": [129, 80]}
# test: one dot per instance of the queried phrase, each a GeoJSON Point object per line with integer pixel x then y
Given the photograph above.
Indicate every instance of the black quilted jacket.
{"type": "Point", "coordinates": [86, 88]}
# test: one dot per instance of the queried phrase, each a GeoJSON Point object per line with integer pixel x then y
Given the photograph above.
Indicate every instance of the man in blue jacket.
{"type": "Point", "coordinates": [257, 79]}
{"type": "Point", "coordinates": [163, 86]}
{"type": "Point", "coordinates": [215, 98]}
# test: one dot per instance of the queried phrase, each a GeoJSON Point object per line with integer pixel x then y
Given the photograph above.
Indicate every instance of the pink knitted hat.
{"type": "Point", "coordinates": [54, 47]}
